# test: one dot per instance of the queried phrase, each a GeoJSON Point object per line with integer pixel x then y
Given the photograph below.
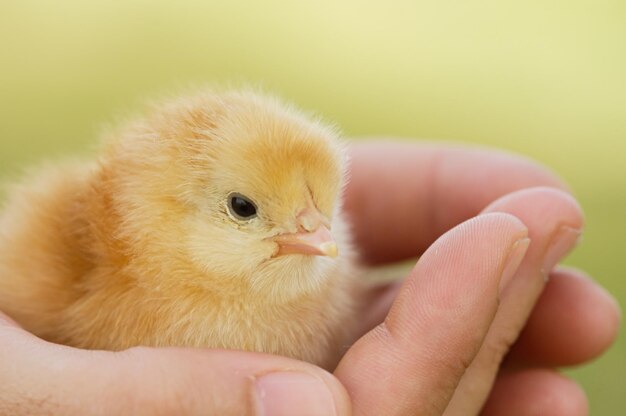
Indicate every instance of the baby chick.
{"type": "Point", "coordinates": [214, 221]}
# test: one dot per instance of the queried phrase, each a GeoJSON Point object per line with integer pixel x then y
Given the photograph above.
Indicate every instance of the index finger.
{"type": "Point", "coordinates": [402, 196]}
{"type": "Point", "coordinates": [411, 363]}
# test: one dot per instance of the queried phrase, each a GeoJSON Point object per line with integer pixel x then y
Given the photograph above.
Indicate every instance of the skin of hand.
{"type": "Point", "coordinates": [204, 223]}
{"type": "Point", "coordinates": [487, 247]}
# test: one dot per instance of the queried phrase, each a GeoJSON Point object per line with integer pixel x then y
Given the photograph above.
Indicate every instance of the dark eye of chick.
{"type": "Point", "coordinates": [241, 207]}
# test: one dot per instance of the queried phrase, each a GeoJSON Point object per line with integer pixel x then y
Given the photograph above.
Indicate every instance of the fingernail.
{"type": "Point", "coordinates": [516, 255]}
{"type": "Point", "coordinates": [562, 242]}
{"type": "Point", "coordinates": [291, 393]}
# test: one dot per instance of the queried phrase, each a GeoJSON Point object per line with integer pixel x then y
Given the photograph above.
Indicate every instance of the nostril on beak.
{"type": "Point", "coordinates": [309, 220]}
{"type": "Point", "coordinates": [308, 224]}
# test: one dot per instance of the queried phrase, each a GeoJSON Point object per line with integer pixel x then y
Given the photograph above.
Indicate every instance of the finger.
{"type": "Point", "coordinates": [398, 209]}
{"type": "Point", "coordinates": [223, 382]}
{"type": "Point", "coordinates": [534, 393]}
{"type": "Point", "coordinates": [6, 321]}
{"type": "Point", "coordinates": [572, 307]}
{"type": "Point", "coordinates": [415, 358]}
{"type": "Point", "coordinates": [554, 221]}
{"type": "Point", "coordinates": [42, 378]}
{"type": "Point", "coordinates": [23, 380]}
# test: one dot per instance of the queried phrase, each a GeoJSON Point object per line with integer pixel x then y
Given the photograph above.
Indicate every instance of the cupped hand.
{"type": "Point", "coordinates": [432, 345]}
{"type": "Point", "coordinates": [439, 349]}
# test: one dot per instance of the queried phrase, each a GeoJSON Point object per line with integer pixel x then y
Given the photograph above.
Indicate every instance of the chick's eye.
{"type": "Point", "coordinates": [241, 207]}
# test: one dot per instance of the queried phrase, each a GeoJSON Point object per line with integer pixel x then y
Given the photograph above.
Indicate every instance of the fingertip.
{"type": "Point", "coordinates": [554, 220]}
{"type": "Point", "coordinates": [613, 309]}
{"type": "Point", "coordinates": [284, 393]}
{"type": "Point", "coordinates": [342, 401]}
{"type": "Point", "coordinates": [536, 392]}
{"type": "Point", "coordinates": [492, 227]}
{"type": "Point", "coordinates": [572, 307]}
{"type": "Point", "coordinates": [599, 315]}
{"type": "Point", "coordinates": [504, 221]}
{"type": "Point", "coordinates": [471, 257]}
{"type": "Point", "coordinates": [544, 199]}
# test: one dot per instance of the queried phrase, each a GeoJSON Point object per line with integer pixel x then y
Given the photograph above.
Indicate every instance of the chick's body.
{"type": "Point", "coordinates": [206, 223]}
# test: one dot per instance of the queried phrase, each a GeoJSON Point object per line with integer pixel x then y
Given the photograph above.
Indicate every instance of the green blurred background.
{"type": "Point", "coordinates": [545, 79]}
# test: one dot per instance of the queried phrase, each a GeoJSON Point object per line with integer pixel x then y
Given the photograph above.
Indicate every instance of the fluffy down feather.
{"type": "Point", "coordinates": [140, 247]}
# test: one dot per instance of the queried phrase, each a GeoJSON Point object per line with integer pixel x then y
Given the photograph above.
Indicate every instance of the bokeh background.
{"type": "Point", "coordinates": [545, 79]}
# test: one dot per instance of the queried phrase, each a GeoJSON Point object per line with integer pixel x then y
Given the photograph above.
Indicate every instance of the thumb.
{"type": "Point", "coordinates": [224, 382]}
{"type": "Point", "coordinates": [6, 322]}
{"type": "Point", "coordinates": [37, 377]}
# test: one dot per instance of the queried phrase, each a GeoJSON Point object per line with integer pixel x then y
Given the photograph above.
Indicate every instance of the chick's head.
{"type": "Point", "coordinates": [236, 184]}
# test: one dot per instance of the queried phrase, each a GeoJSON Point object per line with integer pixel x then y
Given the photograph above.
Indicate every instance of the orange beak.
{"type": "Point", "coordinates": [313, 237]}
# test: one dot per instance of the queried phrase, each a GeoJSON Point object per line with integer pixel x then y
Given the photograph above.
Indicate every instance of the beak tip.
{"type": "Point", "coordinates": [329, 249]}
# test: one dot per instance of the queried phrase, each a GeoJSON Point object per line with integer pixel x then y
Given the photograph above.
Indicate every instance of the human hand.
{"type": "Point", "coordinates": [464, 304]}
{"type": "Point", "coordinates": [415, 370]}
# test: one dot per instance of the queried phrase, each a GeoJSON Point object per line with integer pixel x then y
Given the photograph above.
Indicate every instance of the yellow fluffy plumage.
{"type": "Point", "coordinates": [146, 245]}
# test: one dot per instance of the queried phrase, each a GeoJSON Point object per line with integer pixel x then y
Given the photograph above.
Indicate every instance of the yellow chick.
{"type": "Point", "coordinates": [214, 221]}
